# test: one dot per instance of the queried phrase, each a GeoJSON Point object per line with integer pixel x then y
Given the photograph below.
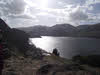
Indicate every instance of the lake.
{"type": "Point", "coordinates": [68, 46]}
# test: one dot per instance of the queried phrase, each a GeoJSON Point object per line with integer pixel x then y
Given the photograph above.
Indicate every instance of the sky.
{"type": "Point", "coordinates": [24, 13]}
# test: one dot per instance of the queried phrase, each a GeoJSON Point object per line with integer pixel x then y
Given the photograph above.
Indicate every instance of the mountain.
{"type": "Point", "coordinates": [94, 27]}
{"type": "Point", "coordinates": [64, 30]}
{"type": "Point", "coordinates": [35, 31]}
{"type": "Point", "coordinates": [39, 31]}
{"type": "Point", "coordinates": [56, 30]}
{"type": "Point", "coordinates": [82, 27]}
{"type": "Point", "coordinates": [89, 30]}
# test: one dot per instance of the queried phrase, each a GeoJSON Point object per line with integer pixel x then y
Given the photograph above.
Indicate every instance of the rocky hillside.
{"type": "Point", "coordinates": [48, 65]}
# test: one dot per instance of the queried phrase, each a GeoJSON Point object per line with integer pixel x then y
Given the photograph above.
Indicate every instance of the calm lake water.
{"type": "Point", "coordinates": [68, 46]}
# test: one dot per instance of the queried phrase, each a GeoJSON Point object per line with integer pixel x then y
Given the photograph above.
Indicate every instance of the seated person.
{"type": "Point", "coordinates": [55, 52]}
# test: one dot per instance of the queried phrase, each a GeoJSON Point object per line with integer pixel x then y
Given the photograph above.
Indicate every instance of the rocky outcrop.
{"type": "Point", "coordinates": [3, 26]}
{"type": "Point", "coordinates": [18, 39]}
{"type": "Point", "coordinates": [34, 53]}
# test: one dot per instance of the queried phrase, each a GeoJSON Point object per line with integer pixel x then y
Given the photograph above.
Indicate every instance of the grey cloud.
{"type": "Point", "coordinates": [78, 15]}
{"type": "Point", "coordinates": [12, 11]}
{"type": "Point", "coordinates": [96, 8]}
{"type": "Point", "coordinates": [74, 11]}
{"type": "Point", "coordinates": [16, 6]}
{"type": "Point", "coordinates": [22, 16]}
{"type": "Point", "coordinates": [12, 7]}
{"type": "Point", "coordinates": [89, 2]}
{"type": "Point", "coordinates": [19, 22]}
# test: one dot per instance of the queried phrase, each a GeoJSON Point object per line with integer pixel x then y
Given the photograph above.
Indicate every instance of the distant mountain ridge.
{"type": "Point", "coordinates": [64, 30]}
{"type": "Point", "coordinates": [89, 30]}
{"type": "Point", "coordinates": [56, 30]}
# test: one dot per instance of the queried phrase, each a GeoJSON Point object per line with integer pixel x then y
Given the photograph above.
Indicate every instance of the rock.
{"type": "Point", "coordinates": [10, 73]}
{"type": "Point", "coordinates": [53, 69]}
{"type": "Point", "coordinates": [34, 53]}
{"type": "Point", "coordinates": [18, 38]}
{"type": "Point", "coordinates": [44, 69]}
{"type": "Point", "coordinates": [3, 26]}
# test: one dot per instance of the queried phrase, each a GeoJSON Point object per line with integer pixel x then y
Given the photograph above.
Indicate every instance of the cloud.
{"type": "Point", "coordinates": [14, 10]}
{"type": "Point", "coordinates": [16, 6]}
{"type": "Point", "coordinates": [93, 11]}
{"type": "Point", "coordinates": [12, 6]}
{"type": "Point", "coordinates": [85, 13]}
{"type": "Point", "coordinates": [29, 12]}
{"type": "Point", "coordinates": [69, 14]}
{"type": "Point", "coordinates": [21, 22]}
{"type": "Point", "coordinates": [78, 15]}
{"type": "Point", "coordinates": [21, 16]}
{"type": "Point", "coordinates": [90, 2]}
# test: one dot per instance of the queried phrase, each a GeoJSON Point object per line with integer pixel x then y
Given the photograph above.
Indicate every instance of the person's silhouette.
{"type": "Point", "coordinates": [55, 52]}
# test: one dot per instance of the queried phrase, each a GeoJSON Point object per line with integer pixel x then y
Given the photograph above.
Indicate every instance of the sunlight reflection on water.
{"type": "Point", "coordinates": [68, 46]}
{"type": "Point", "coordinates": [43, 43]}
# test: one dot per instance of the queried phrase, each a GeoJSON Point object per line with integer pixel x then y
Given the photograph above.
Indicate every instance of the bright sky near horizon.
{"type": "Point", "coordinates": [24, 13]}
